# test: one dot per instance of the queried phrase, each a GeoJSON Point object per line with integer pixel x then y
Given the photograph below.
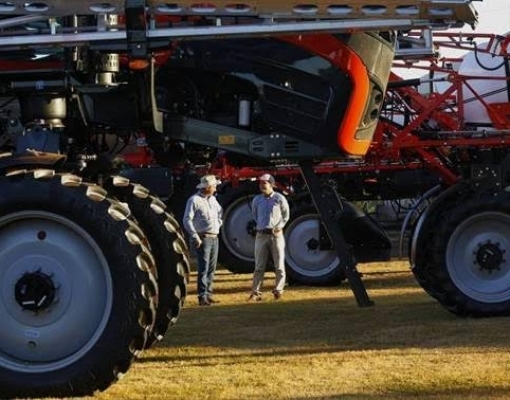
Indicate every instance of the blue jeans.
{"type": "Point", "coordinates": [207, 260]}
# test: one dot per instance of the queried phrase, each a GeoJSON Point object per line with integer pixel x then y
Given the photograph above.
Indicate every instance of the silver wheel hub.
{"type": "Point", "coordinates": [476, 257]}
{"type": "Point", "coordinates": [239, 229]}
{"type": "Point", "coordinates": [55, 291]}
{"type": "Point", "coordinates": [304, 254]}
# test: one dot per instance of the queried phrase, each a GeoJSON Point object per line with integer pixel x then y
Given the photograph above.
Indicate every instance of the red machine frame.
{"type": "Point", "coordinates": [394, 147]}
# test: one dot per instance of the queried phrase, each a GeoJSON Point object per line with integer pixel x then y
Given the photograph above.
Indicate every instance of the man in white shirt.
{"type": "Point", "coordinates": [202, 220]}
{"type": "Point", "coordinates": [271, 212]}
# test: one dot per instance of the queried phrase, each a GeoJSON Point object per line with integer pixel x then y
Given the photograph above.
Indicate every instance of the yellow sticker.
{"type": "Point", "coordinates": [226, 139]}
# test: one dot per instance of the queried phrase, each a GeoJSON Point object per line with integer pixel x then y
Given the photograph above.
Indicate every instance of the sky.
{"type": "Point", "coordinates": [494, 16]}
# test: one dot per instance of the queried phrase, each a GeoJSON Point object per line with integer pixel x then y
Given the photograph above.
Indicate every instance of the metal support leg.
{"type": "Point", "coordinates": [329, 208]}
{"type": "Point", "coordinates": [136, 28]}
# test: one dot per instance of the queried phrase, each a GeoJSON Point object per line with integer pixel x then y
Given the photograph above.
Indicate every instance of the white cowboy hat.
{"type": "Point", "coordinates": [208, 180]}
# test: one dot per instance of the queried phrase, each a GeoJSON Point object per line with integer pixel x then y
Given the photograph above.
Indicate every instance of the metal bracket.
{"type": "Point", "coordinates": [269, 147]}
{"type": "Point", "coordinates": [136, 29]}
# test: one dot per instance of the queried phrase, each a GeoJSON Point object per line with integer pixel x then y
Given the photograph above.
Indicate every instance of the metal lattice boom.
{"type": "Point", "coordinates": [453, 10]}
{"type": "Point", "coordinates": [223, 18]}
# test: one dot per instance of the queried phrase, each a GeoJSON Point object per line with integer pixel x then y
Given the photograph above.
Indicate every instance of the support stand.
{"type": "Point", "coordinates": [329, 207]}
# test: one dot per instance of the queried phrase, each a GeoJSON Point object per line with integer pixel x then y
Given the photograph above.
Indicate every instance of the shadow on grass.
{"type": "Point", "coordinates": [470, 393]}
{"type": "Point", "coordinates": [228, 283]}
{"type": "Point", "coordinates": [313, 326]}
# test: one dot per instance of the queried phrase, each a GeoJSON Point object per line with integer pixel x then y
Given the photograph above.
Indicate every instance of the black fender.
{"type": "Point", "coordinates": [427, 218]}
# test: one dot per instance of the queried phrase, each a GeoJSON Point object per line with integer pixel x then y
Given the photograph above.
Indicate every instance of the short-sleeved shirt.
{"type": "Point", "coordinates": [270, 212]}
{"type": "Point", "coordinates": [203, 214]}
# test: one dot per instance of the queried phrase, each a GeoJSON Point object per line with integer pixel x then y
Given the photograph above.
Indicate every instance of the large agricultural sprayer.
{"type": "Point", "coordinates": [434, 132]}
{"type": "Point", "coordinates": [93, 266]}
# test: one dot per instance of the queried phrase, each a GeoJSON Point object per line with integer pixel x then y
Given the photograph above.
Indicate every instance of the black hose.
{"type": "Point", "coordinates": [483, 66]}
{"type": "Point", "coordinates": [404, 83]}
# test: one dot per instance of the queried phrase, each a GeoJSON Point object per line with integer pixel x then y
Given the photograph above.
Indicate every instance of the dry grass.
{"type": "Point", "coordinates": [316, 343]}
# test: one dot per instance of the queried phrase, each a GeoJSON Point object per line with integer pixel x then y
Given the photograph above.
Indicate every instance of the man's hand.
{"type": "Point", "coordinates": [198, 242]}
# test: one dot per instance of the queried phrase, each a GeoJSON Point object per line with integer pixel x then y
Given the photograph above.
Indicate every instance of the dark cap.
{"type": "Point", "coordinates": [267, 178]}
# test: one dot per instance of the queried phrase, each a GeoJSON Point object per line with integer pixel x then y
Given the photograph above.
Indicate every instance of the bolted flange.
{"type": "Point", "coordinates": [35, 291]}
{"type": "Point", "coordinates": [489, 256]}
{"type": "Point", "coordinates": [313, 244]}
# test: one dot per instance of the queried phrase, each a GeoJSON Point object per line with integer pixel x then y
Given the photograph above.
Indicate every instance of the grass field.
{"type": "Point", "coordinates": [316, 343]}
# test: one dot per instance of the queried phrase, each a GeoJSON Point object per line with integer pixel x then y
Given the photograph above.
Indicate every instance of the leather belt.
{"type": "Point", "coordinates": [269, 231]}
{"type": "Point", "coordinates": [207, 234]}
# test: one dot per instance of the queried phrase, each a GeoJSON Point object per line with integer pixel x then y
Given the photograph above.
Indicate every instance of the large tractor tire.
{"type": "Point", "coordinates": [167, 245]}
{"type": "Point", "coordinates": [77, 290]}
{"type": "Point", "coordinates": [306, 262]}
{"type": "Point", "coordinates": [462, 254]}
{"type": "Point", "coordinates": [237, 235]}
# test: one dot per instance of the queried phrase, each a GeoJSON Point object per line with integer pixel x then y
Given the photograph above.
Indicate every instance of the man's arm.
{"type": "Point", "coordinates": [220, 213]}
{"type": "Point", "coordinates": [285, 209]}
{"type": "Point", "coordinates": [254, 208]}
{"type": "Point", "coordinates": [187, 220]}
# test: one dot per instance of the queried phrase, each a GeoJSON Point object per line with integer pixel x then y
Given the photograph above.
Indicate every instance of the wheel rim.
{"type": "Point", "coordinates": [238, 231]}
{"type": "Point", "coordinates": [303, 254]}
{"type": "Point", "coordinates": [56, 291]}
{"type": "Point", "coordinates": [477, 257]}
